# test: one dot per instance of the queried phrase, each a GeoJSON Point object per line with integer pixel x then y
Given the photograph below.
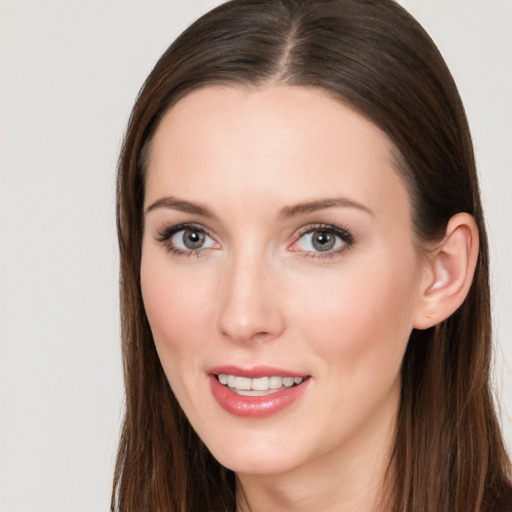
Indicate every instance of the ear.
{"type": "Point", "coordinates": [449, 272]}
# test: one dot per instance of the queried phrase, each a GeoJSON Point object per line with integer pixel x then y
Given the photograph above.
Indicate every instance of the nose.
{"type": "Point", "coordinates": [250, 305]}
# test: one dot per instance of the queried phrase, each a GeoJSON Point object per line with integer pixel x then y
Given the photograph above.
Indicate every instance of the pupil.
{"type": "Point", "coordinates": [193, 239]}
{"type": "Point", "coordinates": [323, 241]}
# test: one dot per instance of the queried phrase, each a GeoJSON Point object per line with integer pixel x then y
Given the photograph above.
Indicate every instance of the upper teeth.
{"type": "Point", "coordinates": [259, 384]}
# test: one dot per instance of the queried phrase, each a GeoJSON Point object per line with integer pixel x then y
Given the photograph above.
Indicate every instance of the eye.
{"type": "Point", "coordinates": [186, 239]}
{"type": "Point", "coordinates": [190, 239]}
{"type": "Point", "coordinates": [323, 239]}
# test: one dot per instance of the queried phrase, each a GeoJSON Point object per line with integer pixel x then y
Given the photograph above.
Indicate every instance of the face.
{"type": "Point", "coordinates": [279, 274]}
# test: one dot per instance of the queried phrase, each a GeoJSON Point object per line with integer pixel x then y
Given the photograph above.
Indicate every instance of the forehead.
{"type": "Point", "coordinates": [281, 143]}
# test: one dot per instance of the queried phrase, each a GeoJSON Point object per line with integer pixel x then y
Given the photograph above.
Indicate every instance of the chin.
{"type": "Point", "coordinates": [260, 464]}
{"type": "Point", "coordinates": [250, 455]}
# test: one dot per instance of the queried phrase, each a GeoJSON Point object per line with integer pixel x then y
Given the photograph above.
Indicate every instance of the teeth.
{"type": "Point", "coordinates": [243, 383]}
{"type": "Point", "coordinates": [259, 384]}
{"type": "Point", "coordinates": [288, 381]}
{"type": "Point", "coordinates": [275, 382]}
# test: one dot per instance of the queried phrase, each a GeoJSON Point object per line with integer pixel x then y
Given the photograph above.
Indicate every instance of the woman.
{"type": "Point", "coordinates": [304, 273]}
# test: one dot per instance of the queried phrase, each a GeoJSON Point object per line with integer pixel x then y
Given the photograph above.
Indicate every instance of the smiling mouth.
{"type": "Point", "coordinates": [260, 386]}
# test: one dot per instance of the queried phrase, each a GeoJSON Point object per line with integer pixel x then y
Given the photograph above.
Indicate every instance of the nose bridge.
{"type": "Point", "coordinates": [249, 303]}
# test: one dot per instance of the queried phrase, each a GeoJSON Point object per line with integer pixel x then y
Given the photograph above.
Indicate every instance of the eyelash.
{"type": "Point", "coordinates": [165, 236]}
{"type": "Point", "coordinates": [343, 234]}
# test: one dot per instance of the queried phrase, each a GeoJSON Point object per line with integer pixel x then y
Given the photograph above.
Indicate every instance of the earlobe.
{"type": "Point", "coordinates": [451, 266]}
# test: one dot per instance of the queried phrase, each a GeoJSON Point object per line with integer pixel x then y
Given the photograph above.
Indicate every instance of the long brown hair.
{"type": "Point", "coordinates": [448, 454]}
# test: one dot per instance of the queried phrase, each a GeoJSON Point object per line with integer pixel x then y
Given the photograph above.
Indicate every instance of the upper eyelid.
{"type": "Point", "coordinates": [168, 232]}
{"type": "Point", "coordinates": [337, 230]}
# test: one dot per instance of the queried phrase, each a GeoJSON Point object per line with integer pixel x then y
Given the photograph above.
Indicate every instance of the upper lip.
{"type": "Point", "coordinates": [254, 372]}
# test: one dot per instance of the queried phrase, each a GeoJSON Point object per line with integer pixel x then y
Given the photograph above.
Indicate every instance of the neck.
{"type": "Point", "coordinates": [348, 479]}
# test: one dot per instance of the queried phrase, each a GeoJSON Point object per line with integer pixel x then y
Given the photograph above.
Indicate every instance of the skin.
{"type": "Point", "coordinates": [259, 293]}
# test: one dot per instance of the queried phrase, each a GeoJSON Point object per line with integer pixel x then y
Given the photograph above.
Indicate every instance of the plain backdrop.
{"type": "Point", "coordinates": [69, 73]}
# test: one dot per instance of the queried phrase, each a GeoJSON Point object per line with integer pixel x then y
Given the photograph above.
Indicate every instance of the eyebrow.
{"type": "Point", "coordinates": [180, 205]}
{"type": "Point", "coordinates": [287, 212]}
{"type": "Point", "coordinates": [321, 204]}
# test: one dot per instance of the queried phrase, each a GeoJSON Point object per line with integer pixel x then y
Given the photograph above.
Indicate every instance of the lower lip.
{"type": "Point", "coordinates": [255, 406]}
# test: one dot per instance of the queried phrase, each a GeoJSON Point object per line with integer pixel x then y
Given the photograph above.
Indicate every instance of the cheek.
{"type": "Point", "coordinates": [362, 316]}
{"type": "Point", "coordinates": [176, 305]}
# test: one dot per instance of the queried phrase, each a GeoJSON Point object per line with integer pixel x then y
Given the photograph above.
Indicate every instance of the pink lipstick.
{"type": "Point", "coordinates": [256, 392]}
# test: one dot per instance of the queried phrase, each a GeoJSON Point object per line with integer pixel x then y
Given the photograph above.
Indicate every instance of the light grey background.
{"type": "Point", "coordinates": [69, 72]}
